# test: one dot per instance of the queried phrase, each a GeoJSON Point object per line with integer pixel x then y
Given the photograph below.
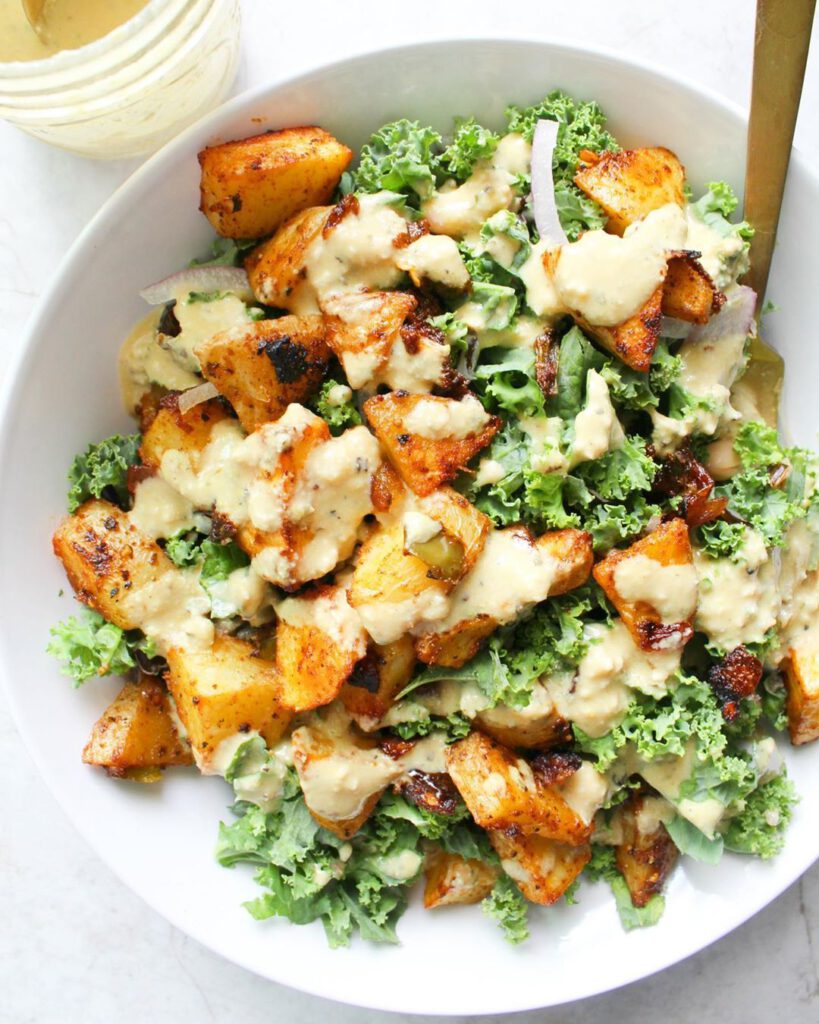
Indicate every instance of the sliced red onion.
{"type": "Point", "coordinates": [198, 279]}
{"type": "Point", "coordinates": [735, 317]}
{"type": "Point", "coordinates": [195, 396]}
{"type": "Point", "coordinates": [544, 207]}
{"type": "Point", "coordinates": [675, 329]}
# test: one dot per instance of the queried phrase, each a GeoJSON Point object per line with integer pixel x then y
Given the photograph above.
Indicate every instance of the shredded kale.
{"type": "Point", "coordinates": [470, 142]}
{"type": "Point", "coordinates": [760, 828]}
{"type": "Point", "coordinates": [337, 416]}
{"type": "Point", "coordinates": [403, 157]}
{"type": "Point", "coordinates": [227, 252]}
{"type": "Point", "coordinates": [455, 726]}
{"type": "Point", "coordinates": [603, 867]}
{"type": "Point", "coordinates": [506, 905]}
{"type": "Point", "coordinates": [102, 470]}
{"type": "Point", "coordinates": [87, 646]}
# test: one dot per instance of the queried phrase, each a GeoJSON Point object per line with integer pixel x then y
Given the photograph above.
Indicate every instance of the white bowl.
{"type": "Point", "coordinates": [63, 394]}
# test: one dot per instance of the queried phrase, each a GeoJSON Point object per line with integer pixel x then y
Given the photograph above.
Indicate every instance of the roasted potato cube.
{"type": "Point", "coordinates": [429, 439]}
{"type": "Point", "coordinates": [277, 268]}
{"type": "Point", "coordinates": [360, 772]}
{"type": "Point", "coordinates": [136, 731]}
{"type": "Point", "coordinates": [688, 292]}
{"type": "Point", "coordinates": [452, 879]}
{"type": "Point", "coordinates": [538, 726]}
{"type": "Point", "coordinates": [452, 643]}
{"type": "Point", "coordinates": [319, 641]}
{"type": "Point", "coordinates": [632, 183]}
{"type": "Point", "coordinates": [362, 328]}
{"type": "Point", "coordinates": [223, 691]}
{"type": "Point", "coordinates": [502, 792]}
{"type": "Point", "coordinates": [251, 186]}
{"type": "Point", "coordinates": [647, 853]}
{"type": "Point", "coordinates": [108, 560]}
{"type": "Point", "coordinates": [171, 430]}
{"type": "Point", "coordinates": [655, 601]}
{"type": "Point", "coordinates": [634, 340]}
{"type": "Point", "coordinates": [541, 868]}
{"type": "Point", "coordinates": [801, 671]}
{"type": "Point", "coordinates": [263, 367]}
{"type": "Point", "coordinates": [463, 526]}
{"type": "Point", "coordinates": [392, 590]}
{"type": "Point", "coordinates": [385, 670]}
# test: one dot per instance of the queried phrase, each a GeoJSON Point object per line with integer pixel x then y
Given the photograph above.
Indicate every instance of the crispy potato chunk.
{"type": "Point", "coordinates": [502, 792]}
{"type": "Point", "coordinates": [452, 879]}
{"type": "Point", "coordinates": [634, 340]}
{"type": "Point", "coordinates": [801, 670]}
{"type": "Point", "coordinates": [688, 292]}
{"type": "Point", "coordinates": [277, 268]}
{"type": "Point", "coordinates": [319, 641]}
{"type": "Point", "coordinates": [541, 868]}
{"type": "Point", "coordinates": [251, 186]}
{"type": "Point", "coordinates": [535, 727]}
{"type": "Point", "coordinates": [645, 858]}
{"type": "Point", "coordinates": [370, 689]}
{"type": "Point", "coordinates": [424, 463]}
{"type": "Point", "coordinates": [223, 691]}
{"type": "Point", "coordinates": [454, 643]}
{"type": "Point", "coordinates": [390, 589]}
{"type": "Point", "coordinates": [107, 560]}
{"type": "Point", "coordinates": [666, 546]}
{"type": "Point", "coordinates": [632, 183]}
{"type": "Point", "coordinates": [136, 731]}
{"type": "Point", "coordinates": [357, 770]}
{"type": "Point", "coordinates": [187, 432]}
{"type": "Point", "coordinates": [262, 367]}
{"type": "Point", "coordinates": [362, 328]}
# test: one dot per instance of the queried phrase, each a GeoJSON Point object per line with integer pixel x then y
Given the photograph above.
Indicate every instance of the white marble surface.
{"type": "Point", "coordinates": [75, 945]}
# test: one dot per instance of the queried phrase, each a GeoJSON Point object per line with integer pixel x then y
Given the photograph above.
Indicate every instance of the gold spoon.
{"type": "Point", "coordinates": [34, 13]}
{"type": "Point", "coordinates": [783, 29]}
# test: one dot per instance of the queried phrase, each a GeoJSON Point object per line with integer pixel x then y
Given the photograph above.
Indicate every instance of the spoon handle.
{"type": "Point", "coordinates": [783, 30]}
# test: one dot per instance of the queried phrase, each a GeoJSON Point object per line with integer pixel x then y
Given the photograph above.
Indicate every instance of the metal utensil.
{"type": "Point", "coordinates": [783, 29]}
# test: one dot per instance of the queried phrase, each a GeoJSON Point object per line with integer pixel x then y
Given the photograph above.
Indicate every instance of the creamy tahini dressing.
{"type": "Point", "coordinates": [199, 321]}
{"type": "Point", "coordinates": [490, 471]}
{"type": "Point", "coordinates": [737, 601]}
{"type": "Point", "coordinates": [143, 362]}
{"type": "Point", "coordinates": [172, 610]}
{"type": "Point", "coordinates": [586, 791]}
{"type": "Point", "coordinates": [723, 257]}
{"type": "Point", "coordinates": [598, 693]}
{"type": "Point", "coordinates": [438, 418]}
{"type": "Point", "coordinates": [545, 433]}
{"type": "Point", "coordinates": [596, 427]}
{"type": "Point", "coordinates": [330, 612]}
{"type": "Point", "coordinates": [607, 279]}
{"type": "Point", "coordinates": [244, 593]}
{"type": "Point", "coordinates": [667, 777]}
{"type": "Point", "coordinates": [159, 510]}
{"type": "Point", "coordinates": [511, 574]}
{"type": "Point", "coordinates": [434, 258]}
{"type": "Point", "coordinates": [386, 621]}
{"type": "Point", "coordinates": [417, 373]}
{"type": "Point", "coordinates": [460, 211]}
{"type": "Point", "coordinates": [213, 478]}
{"type": "Point", "coordinates": [542, 296]}
{"type": "Point", "coordinates": [670, 589]}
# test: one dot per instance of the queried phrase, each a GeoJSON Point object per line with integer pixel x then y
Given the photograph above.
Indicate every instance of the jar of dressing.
{"type": "Point", "coordinates": [116, 78]}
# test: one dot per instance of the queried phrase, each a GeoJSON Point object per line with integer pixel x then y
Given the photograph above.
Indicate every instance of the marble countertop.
{"type": "Point", "coordinates": [75, 944]}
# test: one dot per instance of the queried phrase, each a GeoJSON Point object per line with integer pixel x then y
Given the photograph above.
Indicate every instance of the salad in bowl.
{"type": "Point", "coordinates": [452, 533]}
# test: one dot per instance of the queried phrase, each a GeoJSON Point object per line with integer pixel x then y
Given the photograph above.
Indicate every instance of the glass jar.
{"type": "Point", "coordinates": [128, 92]}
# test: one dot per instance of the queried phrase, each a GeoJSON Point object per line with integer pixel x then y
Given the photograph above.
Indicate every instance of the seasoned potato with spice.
{"type": "Point", "coordinates": [541, 868]}
{"type": "Point", "coordinates": [136, 731]}
{"type": "Point", "coordinates": [502, 791]}
{"type": "Point", "coordinates": [555, 563]}
{"type": "Point", "coordinates": [801, 671]}
{"type": "Point", "coordinates": [632, 183]}
{"type": "Point", "coordinates": [537, 726]}
{"type": "Point", "coordinates": [688, 292]}
{"type": "Point", "coordinates": [172, 430]}
{"type": "Point", "coordinates": [319, 641]}
{"type": "Point", "coordinates": [362, 328]}
{"type": "Point", "coordinates": [634, 340]}
{"type": "Point", "coordinates": [653, 585]}
{"type": "Point", "coordinates": [429, 439]}
{"type": "Point", "coordinates": [251, 186]}
{"type": "Point", "coordinates": [223, 691]}
{"type": "Point", "coordinates": [452, 879]}
{"type": "Point", "coordinates": [263, 367]}
{"type": "Point", "coordinates": [108, 560]}
{"type": "Point", "coordinates": [277, 269]}
{"type": "Point", "coordinates": [371, 688]}
{"type": "Point", "coordinates": [647, 854]}
{"type": "Point", "coordinates": [357, 772]}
